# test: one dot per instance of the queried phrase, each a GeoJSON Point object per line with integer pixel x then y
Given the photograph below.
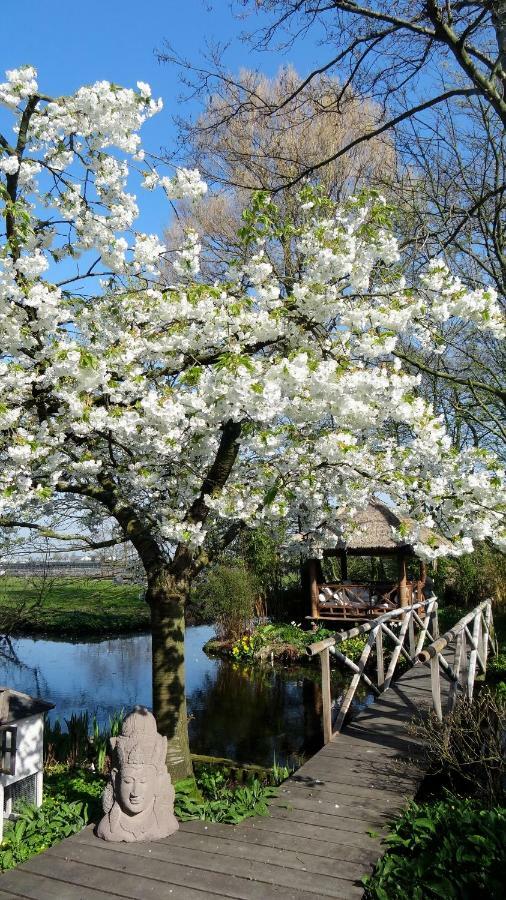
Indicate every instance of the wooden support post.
{"type": "Point", "coordinates": [350, 693]}
{"type": "Point", "coordinates": [434, 621]}
{"type": "Point", "coordinates": [403, 582]}
{"type": "Point", "coordinates": [473, 655]}
{"type": "Point", "coordinates": [486, 632]}
{"type": "Point", "coordinates": [397, 652]}
{"type": "Point", "coordinates": [313, 588]}
{"type": "Point", "coordinates": [380, 658]}
{"type": "Point", "coordinates": [424, 625]}
{"type": "Point", "coordinates": [460, 652]}
{"type": "Point", "coordinates": [326, 696]}
{"type": "Point", "coordinates": [344, 565]}
{"type": "Point", "coordinates": [411, 632]}
{"type": "Point", "coordinates": [436, 686]}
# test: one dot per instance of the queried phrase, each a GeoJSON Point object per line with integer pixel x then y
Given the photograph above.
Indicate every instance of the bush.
{"type": "Point", "coordinates": [450, 849]}
{"type": "Point", "coordinates": [230, 593]}
{"type": "Point", "coordinates": [469, 579]}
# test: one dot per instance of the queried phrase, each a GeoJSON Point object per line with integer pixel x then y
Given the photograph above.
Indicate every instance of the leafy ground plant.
{"type": "Point", "coordinates": [452, 848]}
{"type": "Point", "coordinates": [214, 797]}
{"type": "Point", "coordinates": [71, 800]}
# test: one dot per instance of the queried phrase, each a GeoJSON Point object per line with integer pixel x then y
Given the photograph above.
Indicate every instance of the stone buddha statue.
{"type": "Point", "coordinates": [138, 801]}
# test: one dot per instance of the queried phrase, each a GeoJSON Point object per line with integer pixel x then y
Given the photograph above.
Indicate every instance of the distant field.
{"type": "Point", "coordinates": [71, 606]}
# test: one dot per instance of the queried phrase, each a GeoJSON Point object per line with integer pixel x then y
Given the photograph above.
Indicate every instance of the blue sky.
{"type": "Point", "coordinates": [77, 43]}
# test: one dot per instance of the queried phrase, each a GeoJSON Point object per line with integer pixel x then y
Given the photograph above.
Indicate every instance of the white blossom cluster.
{"type": "Point", "coordinates": [134, 384]}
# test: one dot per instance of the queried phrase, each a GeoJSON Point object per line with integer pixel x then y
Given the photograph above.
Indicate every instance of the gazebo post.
{"type": "Point", "coordinates": [403, 581]}
{"type": "Point", "coordinates": [423, 578]}
{"type": "Point", "coordinates": [312, 568]}
{"type": "Point", "coordinates": [343, 559]}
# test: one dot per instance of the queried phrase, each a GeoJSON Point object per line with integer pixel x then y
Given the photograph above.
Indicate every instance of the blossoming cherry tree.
{"type": "Point", "coordinates": [188, 411]}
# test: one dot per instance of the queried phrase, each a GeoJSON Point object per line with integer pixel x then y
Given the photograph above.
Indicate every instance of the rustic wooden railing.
{"type": "Point", "coordinates": [418, 623]}
{"type": "Point", "coordinates": [472, 636]}
{"type": "Point", "coordinates": [414, 630]}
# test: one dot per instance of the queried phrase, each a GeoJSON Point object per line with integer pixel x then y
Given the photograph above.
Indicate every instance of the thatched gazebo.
{"type": "Point", "coordinates": [349, 600]}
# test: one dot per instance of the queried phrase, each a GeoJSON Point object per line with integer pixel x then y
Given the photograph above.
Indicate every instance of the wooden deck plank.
{"type": "Point", "coordinates": [112, 883]}
{"type": "Point", "coordinates": [258, 853]}
{"type": "Point", "coordinates": [317, 842]}
{"type": "Point", "coordinates": [37, 886]}
{"type": "Point", "coordinates": [239, 879]}
{"type": "Point", "coordinates": [329, 835]}
{"type": "Point", "coordinates": [165, 859]}
{"type": "Point", "coordinates": [292, 800]}
{"type": "Point", "coordinates": [309, 817]}
{"type": "Point", "coordinates": [290, 842]}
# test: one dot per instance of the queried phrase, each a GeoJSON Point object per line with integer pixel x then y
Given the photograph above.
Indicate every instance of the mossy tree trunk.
{"type": "Point", "coordinates": [166, 597]}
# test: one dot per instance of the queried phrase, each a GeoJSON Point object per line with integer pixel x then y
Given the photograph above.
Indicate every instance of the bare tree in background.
{"type": "Point", "coordinates": [239, 149]}
{"type": "Point", "coordinates": [430, 78]}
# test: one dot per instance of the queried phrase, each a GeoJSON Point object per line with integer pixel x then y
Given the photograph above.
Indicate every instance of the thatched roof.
{"type": "Point", "coordinates": [375, 535]}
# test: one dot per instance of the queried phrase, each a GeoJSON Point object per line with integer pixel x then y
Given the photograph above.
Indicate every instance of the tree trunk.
{"type": "Point", "coordinates": [166, 597]}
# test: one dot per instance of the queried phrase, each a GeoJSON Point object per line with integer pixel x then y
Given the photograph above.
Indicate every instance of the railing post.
{"type": "Point", "coordinates": [486, 632]}
{"type": "Point", "coordinates": [436, 686]}
{"type": "Point", "coordinates": [473, 655]}
{"type": "Point", "coordinates": [411, 632]}
{"type": "Point", "coordinates": [380, 658]}
{"type": "Point", "coordinates": [434, 621]}
{"type": "Point", "coordinates": [396, 652]}
{"type": "Point", "coordinates": [460, 650]}
{"type": "Point", "coordinates": [326, 697]}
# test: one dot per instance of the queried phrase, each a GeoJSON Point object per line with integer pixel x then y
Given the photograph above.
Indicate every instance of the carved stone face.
{"type": "Point", "coordinates": [136, 787]}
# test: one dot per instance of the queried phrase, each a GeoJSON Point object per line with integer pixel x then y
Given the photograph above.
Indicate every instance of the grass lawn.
{"type": "Point", "coordinates": [71, 606]}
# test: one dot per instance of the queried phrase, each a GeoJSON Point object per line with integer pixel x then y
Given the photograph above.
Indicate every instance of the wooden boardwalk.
{"type": "Point", "coordinates": [322, 835]}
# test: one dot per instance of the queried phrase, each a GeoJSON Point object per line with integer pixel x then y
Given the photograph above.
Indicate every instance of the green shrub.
{"type": "Point", "coordinates": [450, 849]}
{"type": "Point", "coordinates": [467, 580]}
{"type": "Point", "coordinates": [229, 595]}
{"type": "Point", "coordinates": [496, 666]}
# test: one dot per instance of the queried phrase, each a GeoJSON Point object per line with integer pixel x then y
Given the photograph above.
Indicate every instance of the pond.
{"type": "Point", "coordinates": [247, 713]}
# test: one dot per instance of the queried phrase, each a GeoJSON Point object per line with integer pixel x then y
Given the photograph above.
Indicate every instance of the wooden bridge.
{"type": "Point", "coordinates": [325, 827]}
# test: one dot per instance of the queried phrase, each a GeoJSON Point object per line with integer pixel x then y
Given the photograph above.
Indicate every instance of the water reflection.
{"type": "Point", "coordinates": [249, 714]}
{"type": "Point", "coordinates": [255, 714]}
